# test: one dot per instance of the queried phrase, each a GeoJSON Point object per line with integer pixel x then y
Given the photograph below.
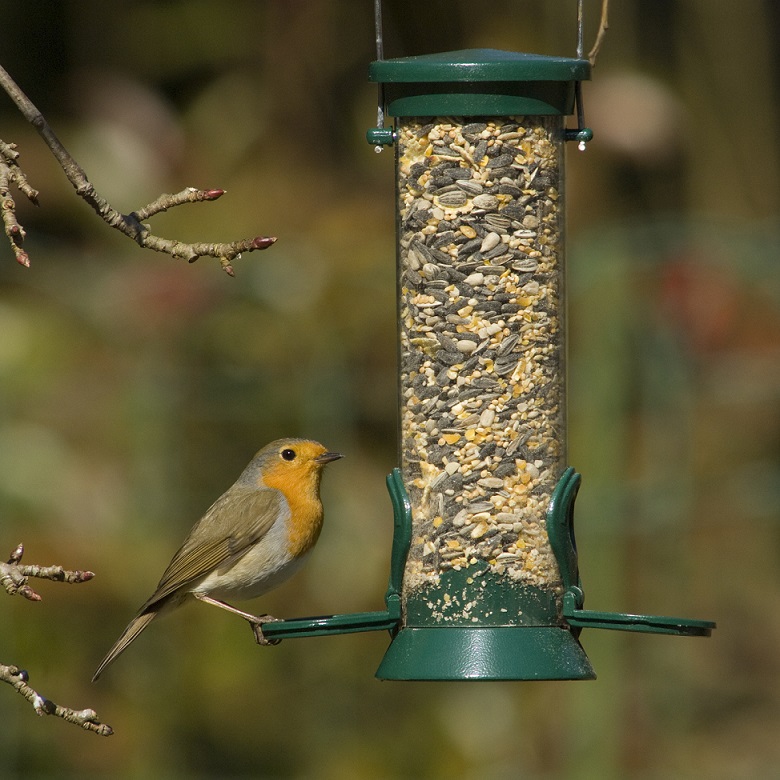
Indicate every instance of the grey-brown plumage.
{"type": "Point", "coordinates": [251, 538]}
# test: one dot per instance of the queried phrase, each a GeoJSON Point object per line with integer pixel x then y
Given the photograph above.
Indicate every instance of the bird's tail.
{"type": "Point", "coordinates": [137, 625]}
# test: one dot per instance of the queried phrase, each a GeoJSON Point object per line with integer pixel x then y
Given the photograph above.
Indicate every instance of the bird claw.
{"type": "Point", "coordinates": [257, 630]}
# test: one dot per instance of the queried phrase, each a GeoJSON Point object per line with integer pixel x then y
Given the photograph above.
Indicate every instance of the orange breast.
{"type": "Point", "coordinates": [301, 489]}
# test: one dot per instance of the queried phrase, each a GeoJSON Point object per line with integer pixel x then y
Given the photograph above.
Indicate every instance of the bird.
{"type": "Point", "coordinates": [252, 538]}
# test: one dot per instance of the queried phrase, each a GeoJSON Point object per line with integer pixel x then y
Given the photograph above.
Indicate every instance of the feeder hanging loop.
{"type": "Point", "coordinates": [581, 133]}
{"type": "Point", "coordinates": [379, 136]}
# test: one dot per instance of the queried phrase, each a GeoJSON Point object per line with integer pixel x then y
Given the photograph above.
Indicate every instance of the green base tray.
{"type": "Point", "coordinates": [491, 653]}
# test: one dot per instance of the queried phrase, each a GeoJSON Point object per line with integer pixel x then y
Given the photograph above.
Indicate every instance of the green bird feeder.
{"type": "Point", "coordinates": [484, 582]}
{"type": "Point", "coordinates": [491, 586]}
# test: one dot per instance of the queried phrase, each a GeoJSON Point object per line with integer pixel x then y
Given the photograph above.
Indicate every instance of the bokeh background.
{"type": "Point", "coordinates": [134, 388]}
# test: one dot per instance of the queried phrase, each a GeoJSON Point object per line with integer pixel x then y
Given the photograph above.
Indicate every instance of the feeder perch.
{"type": "Point", "coordinates": [485, 582]}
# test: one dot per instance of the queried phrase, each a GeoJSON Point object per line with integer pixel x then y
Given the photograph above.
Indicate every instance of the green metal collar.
{"type": "Point", "coordinates": [478, 65]}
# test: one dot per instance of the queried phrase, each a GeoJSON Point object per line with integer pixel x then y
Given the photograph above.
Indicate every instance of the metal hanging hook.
{"type": "Point", "coordinates": [581, 134]}
{"type": "Point", "coordinates": [379, 135]}
{"type": "Point", "coordinates": [380, 52]}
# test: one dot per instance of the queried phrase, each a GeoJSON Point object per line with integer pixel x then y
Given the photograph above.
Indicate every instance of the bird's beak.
{"type": "Point", "coordinates": [327, 457]}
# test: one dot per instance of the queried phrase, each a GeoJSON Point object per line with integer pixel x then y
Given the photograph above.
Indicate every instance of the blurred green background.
{"type": "Point", "coordinates": [134, 388]}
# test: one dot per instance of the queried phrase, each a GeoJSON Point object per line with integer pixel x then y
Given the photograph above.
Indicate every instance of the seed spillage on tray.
{"type": "Point", "coordinates": [482, 343]}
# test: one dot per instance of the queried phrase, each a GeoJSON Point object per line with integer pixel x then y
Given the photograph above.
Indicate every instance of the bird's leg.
{"type": "Point", "coordinates": [208, 600]}
{"type": "Point", "coordinates": [256, 621]}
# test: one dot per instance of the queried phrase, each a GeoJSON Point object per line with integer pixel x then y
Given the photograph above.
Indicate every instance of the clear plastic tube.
{"type": "Point", "coordinates": [482, 342]}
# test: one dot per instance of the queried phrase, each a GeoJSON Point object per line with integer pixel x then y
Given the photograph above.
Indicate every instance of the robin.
{"type": "Point", "coordinates": [252, 538]}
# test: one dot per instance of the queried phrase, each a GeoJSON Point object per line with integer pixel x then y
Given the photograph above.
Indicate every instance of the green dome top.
{"type": "Point", "coordinates": [479, 82]}
{"type": "Point", "coordinates": [479, 65]}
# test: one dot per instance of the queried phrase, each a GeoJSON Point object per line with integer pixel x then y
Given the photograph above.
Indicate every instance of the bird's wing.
{"type": "Point", "coordinates": [234, 523]}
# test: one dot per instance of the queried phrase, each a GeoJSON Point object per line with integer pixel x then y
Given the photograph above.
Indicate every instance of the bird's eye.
{"type": "Point", "coordinates": [288, 454]}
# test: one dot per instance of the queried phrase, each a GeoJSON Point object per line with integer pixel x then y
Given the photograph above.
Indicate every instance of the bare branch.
{"type": "Point", "coordinates": [165, 202]}
{"type": "Point", "coordinates": [13, 575]}
{"type": "Point", "coordinates": [11, 173]}
{"type": "Point", "coordinates": [129, 224]}
{"type": "Point", "coordinates": [87, 719]}
{"type": "Point", "coordinates": [603, 27]}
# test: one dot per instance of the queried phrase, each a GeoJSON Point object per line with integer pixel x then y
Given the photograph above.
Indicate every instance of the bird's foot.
{"type": "Point", "coordinates": [257, 629]}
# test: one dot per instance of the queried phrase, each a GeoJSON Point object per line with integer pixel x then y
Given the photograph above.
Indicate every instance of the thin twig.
{"type": "Point", "coordinates": [129, 224]}
{"type": "Point", "coordinates": [87, 719]}
{"type": "Point", "coordinates": [11, 173]}
{"type": "Point", "coordinates": [13, 575]}
{"type": "Point", "coordinates": [603, 27]}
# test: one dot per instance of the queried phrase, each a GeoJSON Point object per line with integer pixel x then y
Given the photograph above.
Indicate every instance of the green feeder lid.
{"type": "Point", "coordinates": [479, 82]}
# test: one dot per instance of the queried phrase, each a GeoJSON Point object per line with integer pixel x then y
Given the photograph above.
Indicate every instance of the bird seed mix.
{"type": "Point", "coordinates": [482, 343]}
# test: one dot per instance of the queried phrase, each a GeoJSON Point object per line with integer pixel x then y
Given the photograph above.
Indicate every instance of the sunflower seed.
{"type": "Point", "coordinates": [451, 200]}
{"type": "Point", "coordinates": [470, 186]}
{"type": "Point", "coordinates": [485, 201]}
